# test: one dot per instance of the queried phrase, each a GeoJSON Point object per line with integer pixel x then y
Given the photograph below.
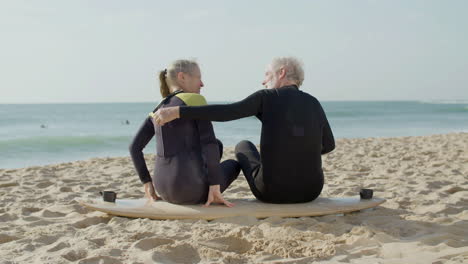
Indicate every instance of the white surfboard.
{"type": "Point", "coordinates": [140, 208]}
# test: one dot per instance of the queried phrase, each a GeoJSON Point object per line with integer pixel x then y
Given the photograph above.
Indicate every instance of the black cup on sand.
{"type": "Point", "coordinates": [366, 193]}
{"type": "Point", "coordinates": [108, 196]}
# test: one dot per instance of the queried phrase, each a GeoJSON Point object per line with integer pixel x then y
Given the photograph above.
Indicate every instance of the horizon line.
{"type": "Point", "coordinates": [462, 101]}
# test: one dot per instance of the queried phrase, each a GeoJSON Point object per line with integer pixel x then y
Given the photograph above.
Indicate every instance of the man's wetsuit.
{"type": "Point", "coordinates": [188, 155]}
{"type": "Point", "coordinates": [295, 132]}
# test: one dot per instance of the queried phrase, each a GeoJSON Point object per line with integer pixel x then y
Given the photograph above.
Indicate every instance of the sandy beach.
{"type": "Point", "coordinates": [425, 218]}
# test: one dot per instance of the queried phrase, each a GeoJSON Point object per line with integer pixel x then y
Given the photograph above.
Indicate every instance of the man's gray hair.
{"type": "Point", "coordinates": [293, 67]}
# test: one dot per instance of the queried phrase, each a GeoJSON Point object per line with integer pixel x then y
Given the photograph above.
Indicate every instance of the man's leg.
{"type": "Point", "coordinates": [220, 146]}
{"type": "Point", "coordinates": [249, 160]}
{"type": "Point", "coordinates": [230, 168]}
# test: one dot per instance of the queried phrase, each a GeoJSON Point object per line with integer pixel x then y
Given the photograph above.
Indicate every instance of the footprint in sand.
{"type": "Point", "coordinates": [40, 223]}
{"type": "Point", "coordinates": [44, 184]}
{"type": "Point", "coordinates": [48, 214]}
{"type": "Point", "coordinates": [47, 240]}
{"type": "Point", "coordinates": [230, 244]}
{"type": "Point", "coordinates": [179, 254]}
{"type": "Point", "coordinates": [31, 218]}
{"type": "Point", "coordinates": [87, 222]}
{"type": "Point", "coordinates": [58, 246]}
{"type": "Point", "coordinates": [66, 189]}
{"type": "Point", "coordinates": [100, 260]}
{"type": "Point", "coordinates": [70, 181]}
{"type": "Point", "coordinates": [80, 209]}
{"type": "Point", "coordinates": [7, 217]}
{"type": "Point", "coordinates": [115, 252]}
{"type": "Point", "coordinates": [150, 243]}
{"type": "Point", "coordinates": [73, 255]}
{"type": "Point", "coordinates": [27, 247]}
{"type": "Point", "coordinates": [8, 184]}
{"type": "Point", "coordinates": [29, 210]}
{"type": "Point", "coordinates": [139, 236]}
{"type": "Point", "coordinates": [93, 189]}
{"type": "Point", "coordinates": [5, 238]}
{"type": "Point", "coordinates": [99, 241]}
{"type": "Point", "coordinates": [455, 189]}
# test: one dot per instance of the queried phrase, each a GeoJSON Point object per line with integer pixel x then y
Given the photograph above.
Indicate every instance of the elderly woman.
{"type": "Point", "coordinates": [188, 168]}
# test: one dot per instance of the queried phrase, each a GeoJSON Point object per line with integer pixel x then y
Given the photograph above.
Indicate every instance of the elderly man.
{"type": "Point", "coordinates": [295, 132]}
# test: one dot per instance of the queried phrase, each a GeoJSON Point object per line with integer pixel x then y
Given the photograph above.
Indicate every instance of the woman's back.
{"type": "Point", "coordinates": [187, 168]}
{"type": "Point", "coordinates": [178, 136]}
{"type": "Point", "coordinates": [180, 170]}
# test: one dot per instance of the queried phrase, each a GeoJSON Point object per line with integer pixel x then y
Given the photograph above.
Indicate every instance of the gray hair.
{"type": "Point", "coordinates": [293, 66]}
{"type": "Point", "coordinates": [185, 66]}
{"type": "Point", "coordinates": [169, 76]}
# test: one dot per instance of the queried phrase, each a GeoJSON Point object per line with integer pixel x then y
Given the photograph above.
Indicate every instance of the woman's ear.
{"type": "Point", "coordinates": [181, 76]}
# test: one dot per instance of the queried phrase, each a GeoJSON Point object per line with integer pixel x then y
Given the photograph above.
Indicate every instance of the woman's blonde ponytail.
{"type": "Point", "coordinates": [164, 88]}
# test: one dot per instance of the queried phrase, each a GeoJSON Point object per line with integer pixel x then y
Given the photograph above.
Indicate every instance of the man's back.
{"type": "Point", "coordinates": [295, 132]}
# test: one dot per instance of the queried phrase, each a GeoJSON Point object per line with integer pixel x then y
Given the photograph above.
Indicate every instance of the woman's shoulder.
{"type": "Point", "coordinates": [192, 99]}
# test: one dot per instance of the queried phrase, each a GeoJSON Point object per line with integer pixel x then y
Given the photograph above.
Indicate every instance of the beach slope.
{"type": "Point", "coordinates": [425, 218]}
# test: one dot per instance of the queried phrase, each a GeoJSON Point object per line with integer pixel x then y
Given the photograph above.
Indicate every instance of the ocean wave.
{"type": "Point", "coordinates": [454, 110]}
{"type": "Point", "coordinates": [447, 106]}
{"type": "Point", "coordinates": [459, 102]}
{"type": "Point", "coordinates": [59, 143]}
{"type": "Point", "coordinates": [342, 114]}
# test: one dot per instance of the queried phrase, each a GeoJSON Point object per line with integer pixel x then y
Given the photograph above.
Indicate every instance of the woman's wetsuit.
{"type": "Point", "coordinates": [187, 155]}
{"type": "Point", "coordinates": [295, 132]}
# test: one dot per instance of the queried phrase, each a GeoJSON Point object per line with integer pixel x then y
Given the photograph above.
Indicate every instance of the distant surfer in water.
{"type": "Point", "coordinates": [295, 133]}
{"type": "Point", "coordinates": [188, 168]}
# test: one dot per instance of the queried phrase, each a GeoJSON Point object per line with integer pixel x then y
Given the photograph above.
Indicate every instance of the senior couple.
{"type": "Point", "coordinates": [288, 168]}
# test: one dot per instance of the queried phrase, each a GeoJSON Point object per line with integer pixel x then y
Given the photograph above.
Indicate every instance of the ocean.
{"type": "Point", "coordinates": [39, 134]}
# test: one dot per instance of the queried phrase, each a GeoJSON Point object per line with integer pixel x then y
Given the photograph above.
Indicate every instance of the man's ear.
{"type": "Point", "coordinates": [282, 73]}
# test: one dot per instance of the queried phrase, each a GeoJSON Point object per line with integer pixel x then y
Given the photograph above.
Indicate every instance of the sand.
{"type": "Point", "coordinates": [425, 218]}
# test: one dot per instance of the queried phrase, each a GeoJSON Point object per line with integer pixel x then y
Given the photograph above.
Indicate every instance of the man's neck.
{"type": "Point", "coordinates": [287, 83]}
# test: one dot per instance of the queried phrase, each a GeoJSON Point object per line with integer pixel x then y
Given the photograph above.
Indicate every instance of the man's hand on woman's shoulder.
{"type": "Point", "coordinates": [165, 115]}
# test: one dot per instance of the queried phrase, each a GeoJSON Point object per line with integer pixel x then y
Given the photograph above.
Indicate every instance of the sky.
{"type": "Point", "coordinates": [110, 50]}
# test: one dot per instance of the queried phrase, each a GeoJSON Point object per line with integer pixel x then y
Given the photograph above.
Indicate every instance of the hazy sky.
{"type": "Point", "coordinates": [110, 51]}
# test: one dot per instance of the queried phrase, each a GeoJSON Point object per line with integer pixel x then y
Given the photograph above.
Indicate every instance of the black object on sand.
{"type": "Point", "coordinates": [108, 196]}
{"type": "Point", "coordinates": [366, 193]}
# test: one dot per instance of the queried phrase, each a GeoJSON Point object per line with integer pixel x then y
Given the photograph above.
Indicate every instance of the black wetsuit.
{"type": "Point", "coordinates": [295, 132]}
{"type": "Point", "coordinates": [188, 156]}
